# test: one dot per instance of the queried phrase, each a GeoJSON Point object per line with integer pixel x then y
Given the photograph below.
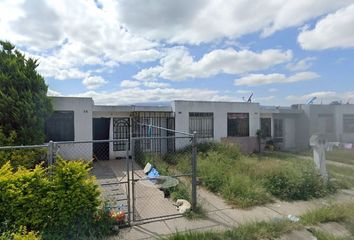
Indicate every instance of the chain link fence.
{"type": "Point", "coordinates": [120, 170]}
{"type": "Point", "coordinates": [162, 173]}
{"type": "Point", "coordinates": [27, 156]}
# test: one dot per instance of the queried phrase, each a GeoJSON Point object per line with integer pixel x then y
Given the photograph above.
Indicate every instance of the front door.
{"type": "Point", "coordinates": [121, 131]}
{"type": "Point", "coordinates": [100, 130]}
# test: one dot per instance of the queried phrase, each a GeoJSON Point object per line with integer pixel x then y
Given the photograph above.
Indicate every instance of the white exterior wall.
{"type": "Point", "coordinates": [220, 110]}
{"type": "Point", "coordinates": [82, 108]}
{"type": "Point", "coordinates": [339, 112]}
{"type": "Point", "coordinates": [289, 133]}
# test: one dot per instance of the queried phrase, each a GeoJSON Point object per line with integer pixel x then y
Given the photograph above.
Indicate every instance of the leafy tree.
{"type": "Point", "coordinates": [24, 105]}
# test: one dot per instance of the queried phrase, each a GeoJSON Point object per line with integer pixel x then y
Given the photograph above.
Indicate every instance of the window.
{"type": "Point", "coordinates": [266, 127]}
{"type": "Point", "coordinates": [348, 123]}
{"type": "Point", "coordinates": [278, 130]}
{"type": "Point", "coordinates": [121, 131]}
{"type": "Point", "coordinates": [325, 123]}
{"type": "Point", "coordinates": [60, 126]}
{"type": "Point", "coordinates": [202, 123]}
{"type": "Point", "coordinates": [238, 125]}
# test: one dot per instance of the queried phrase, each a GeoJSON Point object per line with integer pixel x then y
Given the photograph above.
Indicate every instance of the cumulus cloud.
{"type": "Point", "coordinates": [260, 79]}
{"type": "Point", "coordinates": [53, 93]}
{"type": "Point", "coordinates": [156, 84]}
{"type": "Point", "coordinates": [67, 36]}
{"type": "Point", "coordinates": [93, 82]}
{"type": "Point", "coordinates": [200, 21]}
{"type": "Point", "coordinates": [324, 97]}
{"type": "Point", "coordinates": [129, 83]}
{"type": "Point", "coordinates": [301, 65]}
{"type": "Point", "coordinates": [134, 95]}
{"type": "Point", "coordinates": [179, 65]}
{"type": "Point", "coordinates": [333, 31]}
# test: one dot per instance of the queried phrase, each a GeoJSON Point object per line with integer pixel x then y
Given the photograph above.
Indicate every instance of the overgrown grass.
{"type": "Point", "coordinates": [333, 213]}
{"type": "Point", "coordinates": [321, 235]}
{"type": "Point", "coordinates": [343, 213]}
{"type": "Point", "coordinates": [341, 155]}
{"type": "Point", "coordinates": [259, 230]}
{"type": "Point", "coordinates": [250, 180]}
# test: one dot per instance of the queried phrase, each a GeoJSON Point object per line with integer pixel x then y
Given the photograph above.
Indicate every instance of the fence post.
{"type": "Point", "coordinates": [128, 179]}
{"type": "Point", "coordinates": [132, 147]}
{"type": "Point", "coordinates": [194, 171]}
{"type": "Point", "coordinates": [50, 153]}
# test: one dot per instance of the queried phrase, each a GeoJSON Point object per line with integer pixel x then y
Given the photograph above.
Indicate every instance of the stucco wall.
{"type": "Point", "coordinates": [309, 121]}
{"type": "Point", "coordinates": [82, 108]}
{"type": "Point", "coordinates": [339, 112]}
{"type": "Point", "coordinates": [220, 110]}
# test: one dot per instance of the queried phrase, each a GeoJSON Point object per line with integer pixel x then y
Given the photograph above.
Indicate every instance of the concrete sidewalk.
{"type": "Point", "coordinates": [221, 216]}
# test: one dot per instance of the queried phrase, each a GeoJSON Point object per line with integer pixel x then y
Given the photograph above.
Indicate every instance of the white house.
{"type": "Point", "coordinates": [79, 119]}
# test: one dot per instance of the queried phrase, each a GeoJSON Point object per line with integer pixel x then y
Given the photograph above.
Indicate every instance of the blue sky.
{"type": "Point", "coordinates": [134, 51]}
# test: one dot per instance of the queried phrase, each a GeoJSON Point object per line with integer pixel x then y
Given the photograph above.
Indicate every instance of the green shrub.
{"type": "Point", "coordinates": [20, 234]}
{"type": "Point", "coordinates": [62, 205]}
{"type": "Point", "coordinates": [212, 168]}
{"type": "Point", "coordinates": [73, 199]}
{"type": "Point", "coordinates": [242, 191]}
{"type": "Point", "coordinates": [23, 200]}
{"type": "Point", "coordinates": [181, 191]}
{"type": "Point", "coordinates": [295, 182]}
{"type": "Point", "coordinates": [27, 158]}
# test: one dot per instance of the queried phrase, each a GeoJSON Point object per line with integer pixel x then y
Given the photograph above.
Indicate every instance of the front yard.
{"type": "Point", "coordinates": [251, 180]}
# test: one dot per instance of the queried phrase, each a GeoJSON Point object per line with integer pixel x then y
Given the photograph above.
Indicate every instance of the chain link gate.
{"type": "Point", "coordinates": [111, 169]}
{"type": "Point", "coordinates": [174, 158]}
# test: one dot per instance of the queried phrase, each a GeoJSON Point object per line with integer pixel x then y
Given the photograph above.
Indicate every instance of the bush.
{"type": "Point", "coordinates": [20, 234]}
{"type": "Point", "coordinates": [295, 182]}
{"type": "Point", "coordinates": [73, 199]}
{"type": "Point", "coordinates": [27, 158]}
{"type": "Point", "coordinates": [62, 205]}
{"type": "Point", "coordinates": [243, 192]}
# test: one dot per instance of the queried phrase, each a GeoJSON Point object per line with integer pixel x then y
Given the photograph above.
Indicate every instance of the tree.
{"type": "Point", "coordinates": [24, 105]}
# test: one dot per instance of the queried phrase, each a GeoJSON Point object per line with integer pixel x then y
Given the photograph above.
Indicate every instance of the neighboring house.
{"type": "Point", "coordinates": [79, 119]}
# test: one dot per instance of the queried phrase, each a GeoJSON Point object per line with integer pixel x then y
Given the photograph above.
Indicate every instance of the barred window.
{"type": "Point", "coordinates": [278, 130]}
{"type": "Point", "coordinates": [60, 126]}
{"type": "Point", "coordinates": [348, 123]}
{"type": "Point", "coordinates": [202, 123]}
{"type": "Point", "coordinates": [266, 127]}
{"type": "Point", "coordinates": [238, 125]}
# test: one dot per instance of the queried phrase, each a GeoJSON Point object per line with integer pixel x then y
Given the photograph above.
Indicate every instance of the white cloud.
{"type": "Point", "coordinates": [272, 90]}
{"type": "Point", "coordinates": [324, 97]}
{"type": "Point", "coordinates": [178, 64]}
{"type": "Point", "coordinates": [156, 85]}
{"type": "Point", "coordinates": [53, 93]}
{"type": "Point", "coordinates": [136, 95]}
{"type": "Point", "coordinates": [301, 65]}
{"type": "Point", "coordinates": [93, 82]}
{"type": "Point", "coordinates": [67, 35]}
{"type": "Point", "coordinates": [260, 79]}
{"type": "Point", "coordinates": [129, 83]}
{"type": "Point", "coordinates": [333, 31]}
{"type": "Point", "coordinates": [199, 21]}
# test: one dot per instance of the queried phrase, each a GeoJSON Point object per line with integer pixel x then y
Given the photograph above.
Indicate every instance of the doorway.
{"type": "Point", "coordinates": [100, 130]}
